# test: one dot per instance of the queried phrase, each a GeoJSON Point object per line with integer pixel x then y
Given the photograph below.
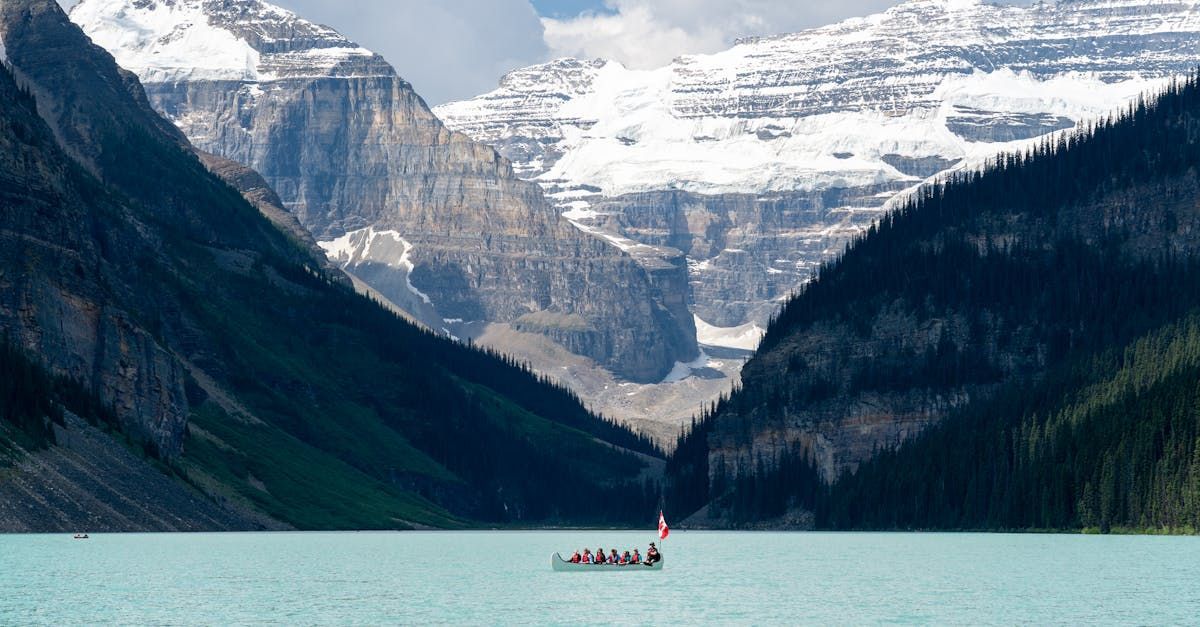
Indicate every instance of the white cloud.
{"type": "Point", "coordinates": [623, 36]}
{"type": "Point", "coordinates": [649, 33]}
{"type": "Point", "coordinates": [448, 49]}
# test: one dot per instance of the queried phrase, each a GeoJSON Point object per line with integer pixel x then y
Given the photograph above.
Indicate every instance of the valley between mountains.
{"type": "Point", "coordinates": [928, 268]}
{"type": "Point", "coordinates": [669, 209]}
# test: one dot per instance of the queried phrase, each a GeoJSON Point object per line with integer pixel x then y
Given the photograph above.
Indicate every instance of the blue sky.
{"type": "Point", "coordinates": [566, 8]}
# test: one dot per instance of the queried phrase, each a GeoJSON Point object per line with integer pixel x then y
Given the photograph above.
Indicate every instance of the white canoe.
{"type": "Point", "coordinates": [562, 565]}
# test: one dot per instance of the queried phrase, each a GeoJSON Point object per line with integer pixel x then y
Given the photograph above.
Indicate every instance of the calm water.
{"type": "Point", "coordinates": [505, 577]}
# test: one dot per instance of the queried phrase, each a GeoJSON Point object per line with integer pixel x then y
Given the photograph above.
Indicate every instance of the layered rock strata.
{"type": "Point", "coordinates": [761, 161]}
{"type": "Point", "coordinates": [427, 217]}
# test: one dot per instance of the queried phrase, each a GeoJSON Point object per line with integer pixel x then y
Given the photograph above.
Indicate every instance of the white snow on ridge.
{"type": "Point", "coordinates": [623, 243]}
{"type": "Point", "coordinates": [179, 41]}
{"type": "Point", "coordinates": [822, 108]}
{"type": "Point", "coordinates": [344, 249]}
{"type": "Point", "coordinates": [635, 142]}
{"type": "Point", "coordinates": [167, 42]}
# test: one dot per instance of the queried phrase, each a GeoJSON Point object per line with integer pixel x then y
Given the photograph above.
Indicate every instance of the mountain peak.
{"type": "Point", "coordinates": [240, 40]}
{"type": "Point", "coordinates": [354, 151]}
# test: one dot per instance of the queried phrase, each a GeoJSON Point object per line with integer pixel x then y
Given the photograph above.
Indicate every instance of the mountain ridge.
{"type": "Point", "coordinates": [480, 246]}
{"type": "Point", "coordinates": [827, 125]}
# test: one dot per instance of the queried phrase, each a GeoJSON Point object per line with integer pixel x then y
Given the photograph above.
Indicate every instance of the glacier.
{"type": "Point", "coordinates": [761, 161]}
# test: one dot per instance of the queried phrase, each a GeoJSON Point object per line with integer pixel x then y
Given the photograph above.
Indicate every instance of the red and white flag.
{"type": "Point", "coordinates": [663, 531]}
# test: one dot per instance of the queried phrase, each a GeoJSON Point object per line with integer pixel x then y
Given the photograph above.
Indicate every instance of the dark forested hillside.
{"type": "Point", "coordinates": [1103, 443]}
{"type": "Point", "coordinates": [1002, 315]}
{"type": "Point", "coordinates": [134, 281]}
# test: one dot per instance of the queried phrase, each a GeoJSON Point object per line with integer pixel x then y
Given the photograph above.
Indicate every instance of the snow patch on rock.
{"type": "Point", "coordinates": [406, 263]}
{"type": "Point", "coordinates": [355, 247]}
{"type": "Point", "coordinates": [683, 370]}
{"type": "Point", "coordinates": [743, 337]}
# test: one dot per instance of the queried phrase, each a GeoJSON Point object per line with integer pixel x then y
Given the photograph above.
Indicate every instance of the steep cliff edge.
{"type": "Point", "coordinates": [430, 219]}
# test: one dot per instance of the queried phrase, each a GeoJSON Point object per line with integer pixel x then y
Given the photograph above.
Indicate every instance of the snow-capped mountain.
{"type": "Point", "coordinates": [425, 217]}
{"type": "Point", "coordinates": [759, 161]}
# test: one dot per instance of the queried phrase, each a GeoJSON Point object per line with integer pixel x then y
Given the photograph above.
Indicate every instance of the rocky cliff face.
{"type": "Point", "coordinates": [761, 161]}
{"type": "Point", "coordinates": [818, 402]}
{"type": "Point", "coordinates": [52, 271]}
{"type": "Point", "coordinates": [745, 252]}
{"type": "Point", "coordinates": [427, 217]}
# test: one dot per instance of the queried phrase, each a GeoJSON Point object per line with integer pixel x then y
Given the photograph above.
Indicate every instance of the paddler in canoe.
{"type": "Point", "coordinates": [586, 559]}
{"type": "Point", "coordinates": [652, 555]}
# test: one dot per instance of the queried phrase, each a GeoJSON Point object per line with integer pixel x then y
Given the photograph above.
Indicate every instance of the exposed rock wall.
{"type": "Point", "coordinates": [52, 269]}
{"type": "Point", "coordinates": [255, 189]}
{"type": "Point", "coordinates": [348, 146]}
{"type": "Point", "coordinates": [744, 252]}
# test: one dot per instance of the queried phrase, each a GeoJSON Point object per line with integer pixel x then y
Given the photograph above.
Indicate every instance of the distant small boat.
{"type": "Point", "coordinates": [561, 565]}
{"type": "Point", "coordinates": [81, 536]}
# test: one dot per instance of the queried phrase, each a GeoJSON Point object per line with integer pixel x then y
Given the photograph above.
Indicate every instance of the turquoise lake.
{"type": "Point", "coordinates": [505, 578]}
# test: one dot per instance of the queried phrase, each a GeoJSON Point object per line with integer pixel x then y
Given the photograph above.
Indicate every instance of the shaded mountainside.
{"type": "Point", "coordinates": [428, 218]}
{"type": "Point", "coordinates": [1029, 321]}
{"type": "Point", "coordinates": [1107, 443]}
{"type": "Point", "coordinates": [227, 358]}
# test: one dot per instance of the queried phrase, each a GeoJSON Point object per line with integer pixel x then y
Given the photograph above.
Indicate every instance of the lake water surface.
{"type": "Point", "coordinates": [505, 578]}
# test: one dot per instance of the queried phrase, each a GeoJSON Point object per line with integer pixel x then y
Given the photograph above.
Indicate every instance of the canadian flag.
{"type": "Point", "coordinates": [663, 530]}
